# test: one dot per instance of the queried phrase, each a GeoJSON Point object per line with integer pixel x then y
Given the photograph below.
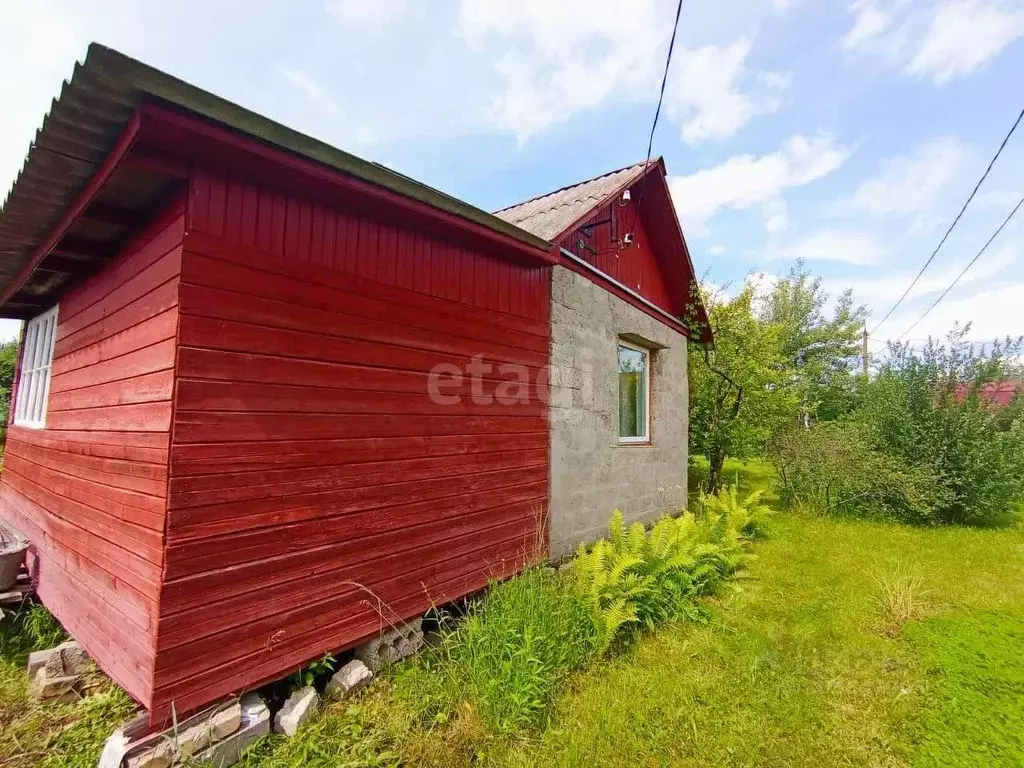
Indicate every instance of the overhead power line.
{"type": "Point", "coordinates": [657, 113]}
{"type": "Point", "coordinates": [953, 225]}
{"type": "Point", "coordinates": [964, 271]}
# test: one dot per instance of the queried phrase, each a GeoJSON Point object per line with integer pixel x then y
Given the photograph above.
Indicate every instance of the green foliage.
{"type": "Point", "coordinates": [739, 393]}
{"type": "Point", "coordinates": [79, 744]}
{"type": "Point", "coordinates": [639, 578]}
{"type": "Point", "coordinates": [8, 362]}
{"type": "Point", "coordinates": [507, 657]}
{"type": "Point", "coordinates": [52, 736]}
{"type": "Point", "coordinates": [29, 628]}
{"type": "Point", "coordinates": [316, 669]}
{"type": "Point", "coordinates": [925, 446]}
{"type": "Point", "coordinates": [925, 407]}
{"type": "Point", "coordinates": [835, 469]}
{"type": "Point", "coordinates": [343, 736]}
{"type": "Point", "coordinates": [820, 351]}
{"type": "Point", "coordinates": [746, 516]}
{"type": "Point", "coordinates": [778, 360]}
{"type": "Point", "coordinates": [795, 671]}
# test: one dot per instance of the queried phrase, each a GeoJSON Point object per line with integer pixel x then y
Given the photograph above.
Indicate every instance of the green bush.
{"type": "Point", "coordinates": [639, 578]}
{"type": "Point", "coordinates": [834, 469]}
{"type": "Point", "coordinates": [925, 446]}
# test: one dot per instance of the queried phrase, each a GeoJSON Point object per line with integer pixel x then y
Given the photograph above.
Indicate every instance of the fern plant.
{"type": "Point", "coordinates": [639, 578]}
{"type": "Point", "coordinates": [746, 516]}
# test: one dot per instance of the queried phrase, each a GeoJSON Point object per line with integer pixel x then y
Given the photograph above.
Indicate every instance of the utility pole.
{"type": "Point", "coordinates": [864, 351]}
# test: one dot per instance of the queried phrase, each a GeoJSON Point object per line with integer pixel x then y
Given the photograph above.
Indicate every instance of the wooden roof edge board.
{"type": "Point", "coordinates": [125, 71]}
{"type": "Point", "coordinates": [82, 200]}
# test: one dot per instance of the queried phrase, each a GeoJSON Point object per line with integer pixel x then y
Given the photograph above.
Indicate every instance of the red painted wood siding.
{"type": "Point", "coordinates": [311, 473]}
{"type": "Point", "coordinates": [90, 490]}
{"type": "Point", "coordinates": [635, 267]}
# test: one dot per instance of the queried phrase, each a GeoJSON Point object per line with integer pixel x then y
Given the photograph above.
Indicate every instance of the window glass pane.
{"type": "Point", "coordinates": [632, 392]}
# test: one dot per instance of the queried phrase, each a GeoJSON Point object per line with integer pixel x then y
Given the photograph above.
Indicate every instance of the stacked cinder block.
{"type": "Point", "coordinates": [391, 646]}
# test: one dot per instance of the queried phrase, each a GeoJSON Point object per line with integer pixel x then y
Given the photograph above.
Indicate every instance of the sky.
{"type": "Point", "coordinates": [847, 134]}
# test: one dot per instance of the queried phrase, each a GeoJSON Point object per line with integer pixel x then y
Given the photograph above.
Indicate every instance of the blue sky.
{"type": "Point", "coordinates": [845, 133]}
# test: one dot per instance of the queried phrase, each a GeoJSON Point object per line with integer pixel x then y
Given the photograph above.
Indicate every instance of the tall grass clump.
{"type": "Point", "coordinates": [507, 657]}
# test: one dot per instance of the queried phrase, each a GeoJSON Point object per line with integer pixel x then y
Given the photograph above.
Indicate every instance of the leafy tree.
{"type": "Point", "coordinates": [821, 349]}
{"type": "Point", "coordinates": [8, 361]}
{"type": "Point", "coordinates": [740, 392]}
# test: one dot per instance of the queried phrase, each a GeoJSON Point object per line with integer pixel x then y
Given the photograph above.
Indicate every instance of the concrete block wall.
{"type": "Point", "coordinates": [591, 472]}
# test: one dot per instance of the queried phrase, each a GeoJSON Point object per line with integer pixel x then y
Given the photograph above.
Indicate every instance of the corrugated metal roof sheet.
{"type": "Point", "coordinates": [90, 114]}
{"type": "Point", "coordinates": [550, 215]}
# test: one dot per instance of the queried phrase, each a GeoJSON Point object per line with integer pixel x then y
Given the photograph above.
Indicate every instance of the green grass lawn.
{"type": "Point", "coordinates": [849, 643]}
{"type": "Point", "coordinates": [845, 644]}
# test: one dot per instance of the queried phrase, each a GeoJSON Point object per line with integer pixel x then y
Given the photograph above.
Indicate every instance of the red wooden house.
{"type": "Point", "coordinates": [224, 445]}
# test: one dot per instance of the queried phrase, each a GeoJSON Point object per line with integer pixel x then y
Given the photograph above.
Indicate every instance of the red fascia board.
{"type": "Point", "coordinates": [124, 143]}
{"type": "Point", "coordinates": [689, 273]}
{"type": "Point", "coordinates": [204, 142]}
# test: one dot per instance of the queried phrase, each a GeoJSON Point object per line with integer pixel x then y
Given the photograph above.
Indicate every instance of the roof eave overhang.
{"type": "Point", "coordinates": [113, 104]}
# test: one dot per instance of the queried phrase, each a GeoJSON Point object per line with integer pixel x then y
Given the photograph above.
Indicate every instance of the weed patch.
{"type": "Point", "coordinates": [50, 736]}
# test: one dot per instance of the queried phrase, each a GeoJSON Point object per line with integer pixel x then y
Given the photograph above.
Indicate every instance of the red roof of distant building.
{"type": "Point", "coordinates": [995, 392]}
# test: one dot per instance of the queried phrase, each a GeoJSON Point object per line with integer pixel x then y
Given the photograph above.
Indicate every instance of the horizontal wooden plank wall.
{"type": "Point", "coordinates": [90, 490]}
{"type": "Point", "coordinates": [635, 267]}
{"type": "Point", "coordinates": [311, 472]}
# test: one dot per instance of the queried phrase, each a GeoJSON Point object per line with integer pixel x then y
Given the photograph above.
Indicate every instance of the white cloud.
{"type": "Point", "coordinates": [909, 184]}
{"type": "Point", "coordinates": [828, 244]}
{"type": "Point", "coordinates": [367, 14]}
{"type": "Point", "coordinates": [554, 59]}
{"type": "Point", "coordinates": [746, 181]}
{"type": "Point", "coordinates": [963, 36]}
{"type": "Point", "coordinates": [869, 23]}
{"type": "Point", "coordinates": [993, 313]}
{"type": "Point", "coordinates": [706, 91]}
{"type": "Point", "coordinates": [776, 215]}
{"type": "Point", "coordinates": [882, 290]}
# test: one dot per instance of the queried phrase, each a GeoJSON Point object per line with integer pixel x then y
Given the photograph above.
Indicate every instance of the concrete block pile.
{"type": "Point", "coordinates": [397, 644]}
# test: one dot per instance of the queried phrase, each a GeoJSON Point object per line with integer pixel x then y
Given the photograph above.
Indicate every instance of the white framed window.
{"type": "Point", "coordinates": [634, 394]}
{"type": "Point", "coordinates": [36, 359]}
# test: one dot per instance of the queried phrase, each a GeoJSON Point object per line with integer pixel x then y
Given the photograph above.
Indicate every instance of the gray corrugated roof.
{"type": "Point", "coordinates": [96, 104]}
{"type": "Point", "coordinates": [550, 215]}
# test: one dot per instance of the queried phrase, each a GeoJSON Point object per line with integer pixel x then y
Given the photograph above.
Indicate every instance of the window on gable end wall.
{"type": "Point", "coordinates": [34, 379]}
{"type": "Point", "coordinates": [634, 393]}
